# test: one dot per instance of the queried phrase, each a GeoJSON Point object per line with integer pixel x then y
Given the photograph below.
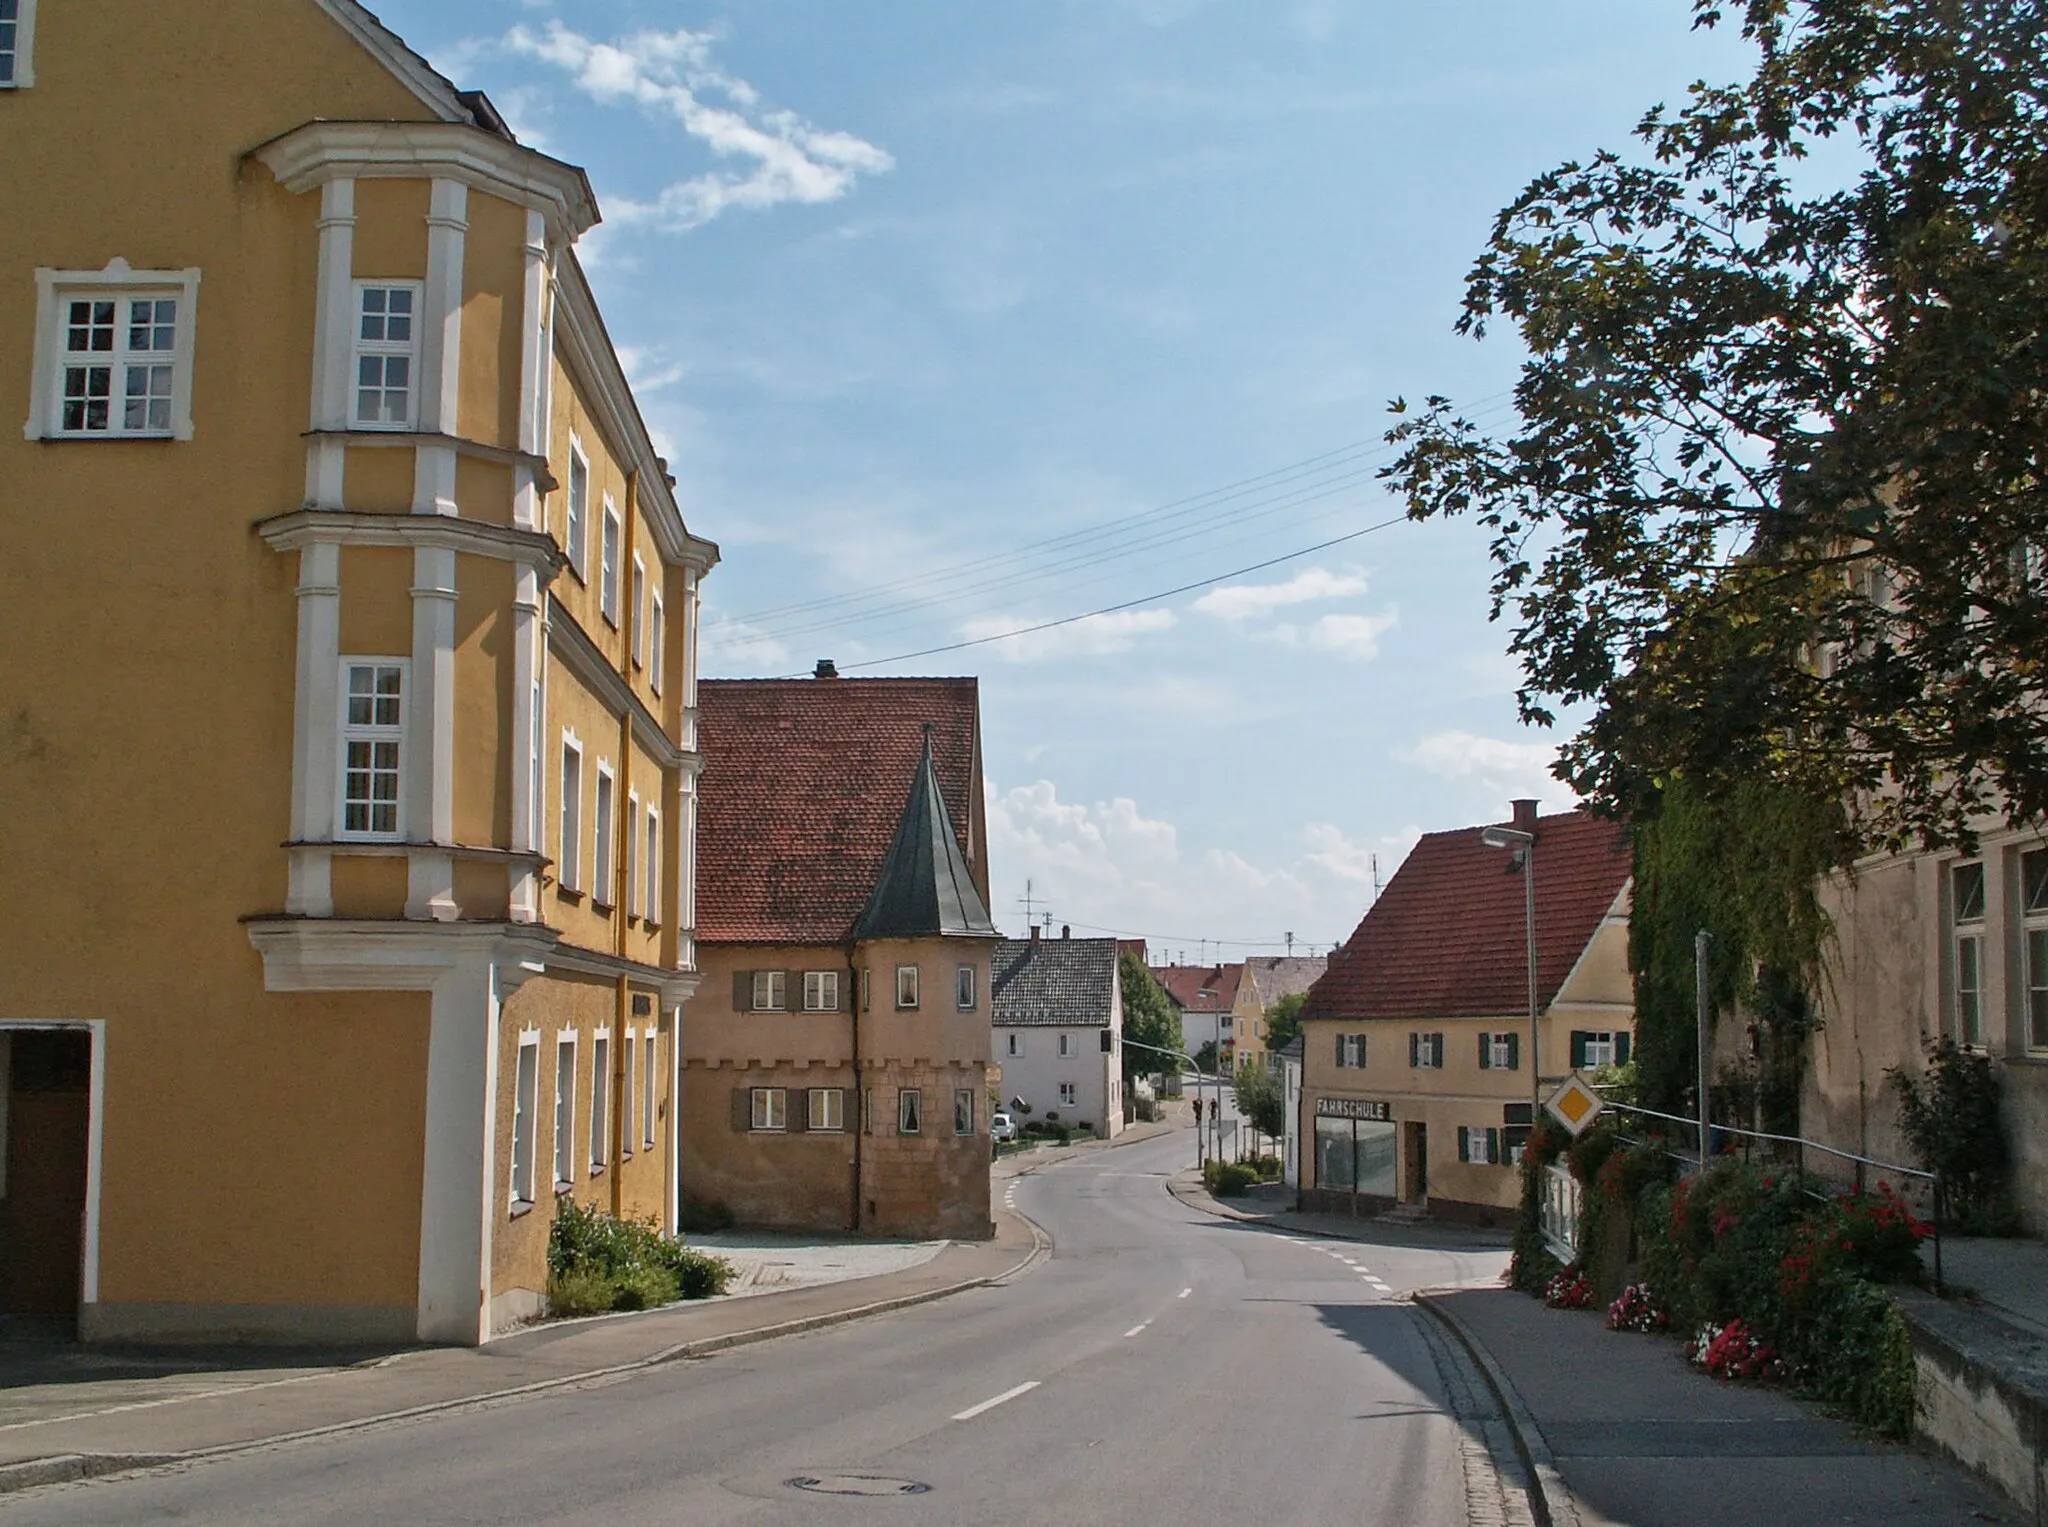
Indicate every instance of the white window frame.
{"type": "Point", "coordinates": [963, 1111]}
{"type": "Point", "coordinates": [650, 1055]}
{"type": "Point", "coordinates": [965, 988]}
{"type": "Point", "coordinates": [1070, 1095]}
{"type": "Point", "coordinates": [650, 871]}
{"type": "Point", "coordinates": [1428, 1052]}
{"type": "Point", "coordinates": [576, 510]}
{"type": "Point", "coordinates": [118, 283]}
{"type": "Point", "coordinates": [360, 349]}
{"type": "Point", "coordinates": [825, 1110]}
{"type": "Point", "coordinates": [1477, 1145]}
{"type": "Point", "coordinates": [821, 991]}
{"type": "Point", "coordinates": [630, 833]}
{"type": "Point", "coordinates": [600, 1101]}
{"type": "Point", "coordinates": [1066, 1046]}
{"type": "Point", "coordinates": [638, 593]}
{"type": "Point", "coordinates": [1014, 1050]}
{"type": "Point", "coordinates": [909, 1110]}
{"type": "Point", "coordinates": [564, 1142]}
{"type": "Point", "coordinates": [525, 1124]}
{"type": "Point", "coordinates": [629, 1099]}
{"type": "Point", "coordinates": [906, 988]}
{"type": "Point", "coordinates": [768, 1109]}
{"type": "Point", "coordinates": [611, 539]}
{"type": "Point", "coordinates": [24, 74]}
{"type": "Point", "coordinates": [537, 765]}
{"type": "Point", "coordinates": [1601, 1047]}
{"type": "Point", "coordinates": [1351, 1052]}
{"type": "Point", "coordinates": [1500, 1051]}
{"type": "Point", "coordinates": [604, 835]}
{"type": "Point", "coordinates": [769, 992]}
{"type": "Point", "coordinates": [569, 864]}
{"type": "Point", "coordinates": [1966, 955]}
{"type": "Point", "coordinates": [657, 639]}
{"type": "Point", "coordinates": [2034, 952]}
{"type": "Point", "coordinates": [373, 734]}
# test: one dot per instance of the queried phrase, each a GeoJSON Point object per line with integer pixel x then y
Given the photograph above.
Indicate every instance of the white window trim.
{"type": "Point", "coordinates": [966, 989]}
{"type": "Point", "coordinates": [603, 835]}
{"type": "Point", "coordinates": [763, 986]}
{"type": "Point", "coordinates": [569, 866]}
{"type": "Point", "coordinates": [56, 287]}
{"type": "Point", "coordinates": [1605, 1041]}
{"type": "Point", "coordinates": [761, 1110]}
{"type": "Point", "coordinates": [638, 594]}
{"type": "Point", "coordinates": [964, 1095]}
{"type": "Point", "coordinates": [812, 1115]}
{"type": "Point", "coordinates": [1070, 1095]}
{"type": "Point", "coordinates": [634, 870]}
{"type": "Point", "coordinates": [526, 1111]}
{"type": "Point", "coordinates": [611, 538]}
{"type": "Point", "coordinates": [564, 1141]}
{"type": "Point", "coordinates": [358, 347]}
{"type": "Point", "coordinates": [657, 635]}
{"type": "Point", "coordinates": [1014, 1050]}
{"type": "Point", "coordinates": [650, 1055]}
{"type": "Point", "coordinates": [1065, 1046]}
{"type": "Point", "coordinates": [24, 47]}
{"type": "Point", "coordinates": [912, 972]}
{"type": "Point", "coordinates": [600, 1103]}
{"type": "Point", "coordinates": [1972, 930]}
{"type": "Point", "coordinates": [2030, 978]}
{"type": "Point", "coordinates": [343, 731]}
{"type": "Point", "coordinates": [904, 1107]}
{"type": "Point", "coordinates": [650, 871]}
{"type": "Point", "coordinates": [828, 987]}
{"type": "Point", "coordinates": [575, 530]}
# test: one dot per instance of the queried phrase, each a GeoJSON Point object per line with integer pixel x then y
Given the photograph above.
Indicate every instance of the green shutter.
{"type": "Point", "coordinates": [797, 1115]}
{"type": "Point", "coordinates": [1340, 1051]}
{"type": "Point", "coordinates": [1414, 1049]}
{"type": "Point", "coordinates": [1621, 1046]}
{"type": "Point", "coordinates": [1578, 1049]}
{"type": "Point", "coordinates": [1464, 1143]}
{"type": "Point", "coordinates": [1485, 1052]}
{"type": "Point", "coordinates": [742, 1108]}
{"type": "Point", "coordinates": [1493, 1150]}
{"type": "Point", "coordinates": [1514, 1052]}
{"type": "Point", "coordinates": [742, 990]}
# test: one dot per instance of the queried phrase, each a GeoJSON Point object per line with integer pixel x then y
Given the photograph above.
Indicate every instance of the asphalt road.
{"type": "Point", "coordinates": [1163, 1366]}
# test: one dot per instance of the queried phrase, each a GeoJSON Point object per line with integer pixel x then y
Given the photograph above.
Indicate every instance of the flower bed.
{"type": "Point", "coordinates": [1569, 1290]}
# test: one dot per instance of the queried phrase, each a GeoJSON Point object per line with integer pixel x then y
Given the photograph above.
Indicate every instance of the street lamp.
{"type": "Point", "coordinates": [1524, 845]}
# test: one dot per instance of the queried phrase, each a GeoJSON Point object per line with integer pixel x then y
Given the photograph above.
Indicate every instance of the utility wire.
{"type": "Point", "coordinates": [1128, 604]}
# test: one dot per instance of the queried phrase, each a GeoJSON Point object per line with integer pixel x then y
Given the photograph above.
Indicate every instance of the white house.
{"type": "Point", "coordinates": [1058, 1015]}
{"type": "Point", "coordinates": [1288, 1058]}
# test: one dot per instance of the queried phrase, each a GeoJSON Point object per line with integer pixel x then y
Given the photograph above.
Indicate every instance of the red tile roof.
{"type": "Point", "coordinates": [1200, 988]}
{"type": "Point", "coordinates": [1446, 938]}
{"type": "Point", "coordinates": [804, 782]}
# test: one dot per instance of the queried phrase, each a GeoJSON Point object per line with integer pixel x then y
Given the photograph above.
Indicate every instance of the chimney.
{"type": "Point", "coordinates": [1034, 933]}
{"type": "Point", "coordinates": [1525, 816]}
{"type": "Point", "coordinates": [1066, 930]}
{"type": "Point", "coordinates": [827, 669]}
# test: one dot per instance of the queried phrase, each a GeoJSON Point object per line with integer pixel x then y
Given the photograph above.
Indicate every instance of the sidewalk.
{"type": "Point", "coordinates": [1266, 1205]}
{"type": "Point", "coordinates": [88, 1411]}
{"type": "Point", "coordinates": [1622, 1433]}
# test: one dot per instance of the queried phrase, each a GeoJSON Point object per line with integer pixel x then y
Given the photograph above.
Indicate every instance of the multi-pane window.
{"type": "Point", "coordinates": [650, 874]}
{"type": "Point", "coordinates": [2034, 913]}
{"type": "Point", "coordinates": [1426, 1051]}
{"type": "Point", "coordinates": [825, 1108]}
{"type": "Point", "coordinates": [579, 507]}
{"type": "Point", "coordinates": [909, 1111]}
{"type": "Point", "coordinates": [525, 1100]}
{"type": "Point", "coordinates": [1500, 1052]}
{"type": "Point", "coordinates": [569, 865]}
{"type": "Point", "coordinates": [963, 988]}
{"type": "Point", "coordinates": [608, 566]}
{"type": "Point", "coordinates": [906, 986]}
{"type": "Point", "coordinates": [565, 1112]}
{"type": "Point", "coordinates": [119, 365]}
{"type": "Point", "coordinates": [601, 836]}
{"type": "Point", "coordinates": [1013, 1046]}
{"type": "Point", "coordinates": [657, 643]}
{"type": "Point", "coordinates": [1070, 1094]}
{"type": "Point", "coordinates": [770, 1108]}
{"type": "Point", "coordinates": [648, 1052]}
{"type": "Point", "coordinates": [628, 1053]}
{"type": "Point", "coordinates": [1066, 1045]}
{"type": "Point", "coordinates": [1480, 1146]}
{"type": "Point", "coordinates": [12, 44]}
{"type": "Point", "coordinates": [386, 351]}
{"type": "Point", "coordinates": [771, 991]}
{"type": "Point", "coordinates": [639, 612]}
{"type": "Point", "coordinates": [600, 1102]}
{"type": "Point", "coordinates": [1966, 914]}
{"type": "Point", "coordinates": [372, 747]}
{"type": "Point", "coordinates": [1351, 1051]}
{"type": "Point", "coordinates": [632, 836]}
{"type": "Point", "coordinates": [1592, 1048]}
{"type": "Point", "coordinates": [821, 991]}
{"type": "Point", "coordinates": [963, 1111]}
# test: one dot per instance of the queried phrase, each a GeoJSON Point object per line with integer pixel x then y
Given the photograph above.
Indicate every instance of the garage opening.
{"type": "Point", "coordinates": [45, 1115]}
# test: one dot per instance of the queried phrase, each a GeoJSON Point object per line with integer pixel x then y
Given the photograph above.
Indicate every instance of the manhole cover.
{"type": "Point", "coordinates": [855, 1484]}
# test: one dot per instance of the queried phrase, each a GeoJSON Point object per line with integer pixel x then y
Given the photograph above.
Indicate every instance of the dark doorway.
{"type": "Point", "coordinates": [1418, 1162]}
{"type": "Point", "coordinates": [42, 1197]}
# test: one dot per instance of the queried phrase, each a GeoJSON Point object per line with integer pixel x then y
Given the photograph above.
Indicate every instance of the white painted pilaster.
{"type": "Point", "coordinates": [456, 1193]}
{"type": "Point", "coordinates": [527, 776]}
{"type": "Point", "coordinates": [316, 722]}
{"type": "Point", "coordinates": [333, 343]}
{"type": "Point", "coordinates": [441, 347]}
{"type": "Point", "coordinates": [430, 728]}
{"type": "Point", "coordinates": [533, 369]}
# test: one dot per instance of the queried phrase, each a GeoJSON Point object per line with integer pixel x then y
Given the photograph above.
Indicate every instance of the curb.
{"type": "Point", "coordinates": [68, 1468]}
{"type": "Point", "coordinates": [1549, 1497]}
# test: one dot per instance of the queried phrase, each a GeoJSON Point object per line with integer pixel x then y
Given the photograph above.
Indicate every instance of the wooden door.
{"type": "Point", "coordinates": [42, 1217]}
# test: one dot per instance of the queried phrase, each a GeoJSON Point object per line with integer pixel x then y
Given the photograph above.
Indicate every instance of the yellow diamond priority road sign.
{"type": "Point", "coordinates": [1574, 1105]}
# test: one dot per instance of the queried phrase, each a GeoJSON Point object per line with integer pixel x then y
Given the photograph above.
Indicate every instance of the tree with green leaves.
{"type": "Point", "coordinates": [1283, 1020]}
{"type": "Point", "coordinates": [1150, 1018]}
{"type": "Point", "coordinates": [1261, 1101]}
{"type": "Point", "coordinates": [1774, 506]}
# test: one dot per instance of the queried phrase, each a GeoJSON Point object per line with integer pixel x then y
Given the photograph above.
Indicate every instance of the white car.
{"type": "Point", "coordinates": [1001, 1127]}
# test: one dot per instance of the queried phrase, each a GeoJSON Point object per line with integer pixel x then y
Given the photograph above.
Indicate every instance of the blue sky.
{"type": "Point", "coordinates": [909, 290]}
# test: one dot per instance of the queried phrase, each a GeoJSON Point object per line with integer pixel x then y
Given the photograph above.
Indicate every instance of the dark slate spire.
{"type": "Point", "coordinates": [924, 887]}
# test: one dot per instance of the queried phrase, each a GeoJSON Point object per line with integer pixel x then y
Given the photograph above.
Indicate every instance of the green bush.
{"type": "Point", "coordinates": [597, 1262]}
{"type": "Point", "coordinates": [1951, 1119]}
{"type": "Point", "coordinates": [698, 1274]}
{"type": "Point", "coordinates": [579, 1293]}
{"type": "Point", "coordinates": [642, 1288]}
{"type": "Point", "coordinates": [1232, 1180]}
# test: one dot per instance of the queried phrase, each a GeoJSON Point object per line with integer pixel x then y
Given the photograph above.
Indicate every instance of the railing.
{"type": "Point", "coordinates": [1561, 1211]}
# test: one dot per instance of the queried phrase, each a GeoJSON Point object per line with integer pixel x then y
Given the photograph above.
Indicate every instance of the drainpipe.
{"type": "Point", "coordinates": [622, 850]}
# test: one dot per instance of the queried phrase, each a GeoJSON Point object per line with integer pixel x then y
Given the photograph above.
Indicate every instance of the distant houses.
{"type": "Point", "coordinates": [1057, 1013]}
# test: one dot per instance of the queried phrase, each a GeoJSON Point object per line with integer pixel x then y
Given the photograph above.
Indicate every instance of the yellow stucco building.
{"type": "Point", "coordinates": [347, 751]}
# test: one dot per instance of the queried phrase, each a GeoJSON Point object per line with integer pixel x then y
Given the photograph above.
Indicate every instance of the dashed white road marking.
{"type": "Point", "coordinates": [1008, 1394]}
{"type": "Point", "coordinates": [1136, 1329]}
{"type": "Point", "coordinates": [1184, 1293]}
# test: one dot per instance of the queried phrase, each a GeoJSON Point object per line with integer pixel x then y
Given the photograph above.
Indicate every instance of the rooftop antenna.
{"type": "Point", "coordinates": [1027, 901]}
{"type": "Point", "coordinates": [1290, 946]}
{"type": "Point", "coordinates": [1375, 877]}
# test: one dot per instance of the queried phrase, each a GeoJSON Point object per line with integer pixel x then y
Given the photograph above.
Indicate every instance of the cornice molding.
{"type": "Point", "coordinates": [674, 985]}
{"type": "Point", "coordinates": [365, 954]}
{"type": "Point", "coordinates": [314, 153]}
{"type": "Point", "coordinates": [579, 654]}
{"type": "Point", "coordinates": [386, 439]}
{"type": "Point", "coordinates": [348, 527]}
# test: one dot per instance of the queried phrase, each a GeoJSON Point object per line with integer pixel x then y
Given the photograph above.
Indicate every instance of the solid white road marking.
{"type": "Point", "coordinates": [1140, 1326]}
{"type": "Point", "coordinates": [1008, 1394]}
{"type": "Point", "coordinates": [1184, 1293]}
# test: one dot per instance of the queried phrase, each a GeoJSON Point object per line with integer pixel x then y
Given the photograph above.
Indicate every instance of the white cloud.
{"type": "Point", "coordinates": [647, 370]}
{"type": "Point", "coordinates": [776, 156]}
{"type": "Point", "coordinates": [1355, 638]}
{"type": "Point", "coordinates": [734, 644]}
{"type": "Point", "coordinates": [1244, 601]}
{"type": "Point", "coordinates": [1093, 636]}
{"type": "Point", "coordinates": [1504, 770]}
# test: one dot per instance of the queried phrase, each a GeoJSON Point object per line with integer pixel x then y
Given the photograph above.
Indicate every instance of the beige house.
{"type": "Point", "coordinates": [1416, 1076]}
{"type": "Point", "coordinates": [348, 763]}
{"type": "Point", "coordinates": [1266, 979]}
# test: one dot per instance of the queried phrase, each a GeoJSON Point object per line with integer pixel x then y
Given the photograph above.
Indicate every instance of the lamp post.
{"type": "Point", "coordinates": [1524, 845]}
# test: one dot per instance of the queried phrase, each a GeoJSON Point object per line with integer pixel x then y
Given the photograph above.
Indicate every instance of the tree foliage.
{"type": "Point", "coordinates": [1261, 1099]}
{"type": "Point", "coordinates": [1283, 1020]}
{"type": "Point", "coordinates": [1150, 1018]}
{"type": "Point", "coordinates": [1774, 505]}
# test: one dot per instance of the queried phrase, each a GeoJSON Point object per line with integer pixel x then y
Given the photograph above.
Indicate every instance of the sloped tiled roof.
{"type": "Point", "coordinates": [1053, 982]}
{"type": "Point", "coordinates": [1200, 988]}
{"type": "Point", "coordinates": [803, 787]}
{"type": "Point", "coordinates": [925, 888]}
{"type": "Point", "coordinates": [1277, 976]}
{"type": "Point", "coordinates": [1446, 938]}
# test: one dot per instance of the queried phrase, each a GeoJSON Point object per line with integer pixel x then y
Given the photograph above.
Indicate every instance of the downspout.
{"type": "Point", "coordinates": [860, 1096]}
{"type": "Point", "coordinates": [622, 856]}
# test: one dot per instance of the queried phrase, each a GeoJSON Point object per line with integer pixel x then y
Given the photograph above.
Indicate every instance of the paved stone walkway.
{"type": "Point", "coordinates": [766, 1263]}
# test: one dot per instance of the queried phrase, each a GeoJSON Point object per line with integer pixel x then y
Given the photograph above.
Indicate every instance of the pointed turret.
{"type": "Point", "coordinates": [925, 888]}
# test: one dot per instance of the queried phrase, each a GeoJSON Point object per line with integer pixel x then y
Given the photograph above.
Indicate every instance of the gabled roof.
{"type": "Point", "coordinates": [803, 789]}
{"type": "Point", "coordinates": [1200, 988]}
{"type": "Point", "coordinates": [1053, 982]}
{"type": "Point", "coordinates": [1277, 976]}
{"type": "Point", "coordinates": [433, 89]}
{"type": "Point", "coordinates": [925, 888]}
{"type": "Point", "coordinates": [1446, 938]}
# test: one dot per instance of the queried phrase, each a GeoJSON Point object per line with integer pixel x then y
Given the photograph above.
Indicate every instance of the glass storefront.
{"type": "Point", "coordinates": [1353, 1154]}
